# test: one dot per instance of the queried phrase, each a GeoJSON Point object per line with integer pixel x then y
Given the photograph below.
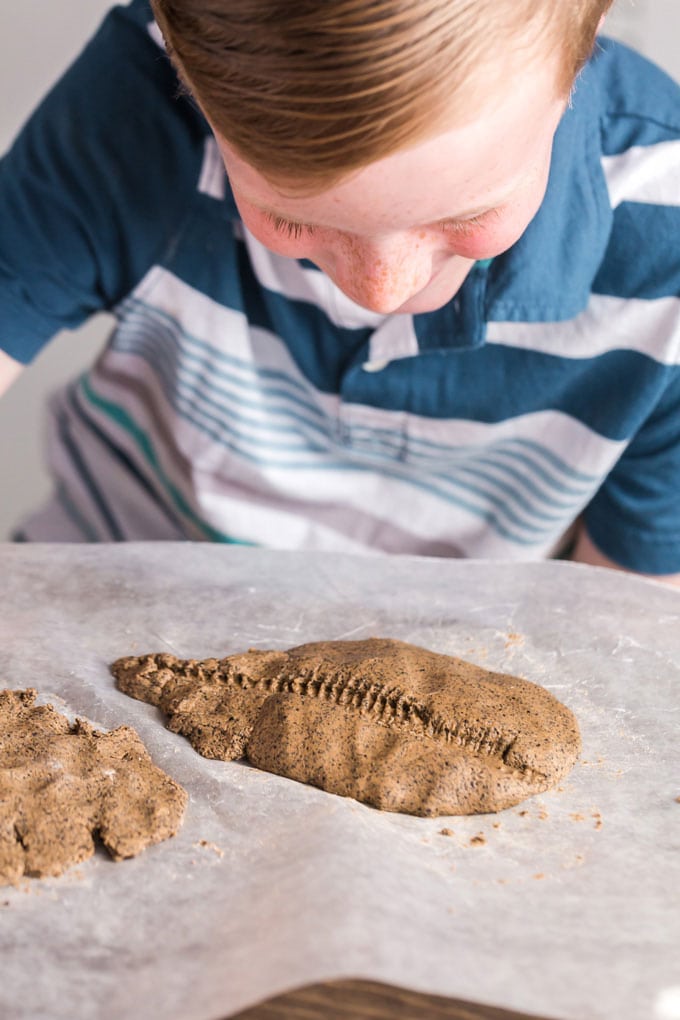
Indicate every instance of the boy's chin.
{"type": "Point", "coordinates": [423, 303]}
{"type": "Point", "coordinates": [437, 293]}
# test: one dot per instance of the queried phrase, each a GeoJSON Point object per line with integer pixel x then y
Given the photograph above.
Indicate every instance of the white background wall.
{"type": "Point", "coordinates": [37, 40]}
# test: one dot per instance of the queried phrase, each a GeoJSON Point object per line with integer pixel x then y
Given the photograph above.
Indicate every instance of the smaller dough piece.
{"type": "Point", "coordinates": [390, 724]}
{"type": "Point", "coordinates": [62, 783]}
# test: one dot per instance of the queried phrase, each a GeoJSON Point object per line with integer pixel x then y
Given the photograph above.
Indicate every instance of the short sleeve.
{"type": "Point", "coordinates": [96, 185]}
{"type": "Point", "coordinates": [635, 517]}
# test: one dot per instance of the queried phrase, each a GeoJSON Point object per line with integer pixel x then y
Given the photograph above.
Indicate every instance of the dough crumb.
{"type": "Point", "coordinates": [206, 845]}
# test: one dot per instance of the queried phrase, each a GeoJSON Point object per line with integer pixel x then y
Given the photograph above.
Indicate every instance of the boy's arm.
{"type": "Point", "coordinates": [9, 370]}
{"type": "Point", "coordinates": [95, 187]}
{"type": "Point", "coordinates": [586, 552]}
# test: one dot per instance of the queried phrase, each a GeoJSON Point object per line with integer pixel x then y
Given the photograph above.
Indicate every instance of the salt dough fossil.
{"type": "Point", "coordinates": [388, 723]}
{"type": "Point", "coordinates": [61, 782]}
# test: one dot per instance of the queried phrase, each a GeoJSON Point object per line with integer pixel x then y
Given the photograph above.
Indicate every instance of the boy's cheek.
{"type": "Point", "coordinates": [488, 242]}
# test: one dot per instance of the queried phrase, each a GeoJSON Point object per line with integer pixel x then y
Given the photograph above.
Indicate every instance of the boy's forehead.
{"type": "Point", "coordinates": [457, 172]}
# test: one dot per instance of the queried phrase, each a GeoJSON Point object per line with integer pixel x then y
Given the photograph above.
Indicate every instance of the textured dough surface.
{"type": "Point", "coordinates": [388, 723]}
{"type": "Point", "coordinates": [60, 783]}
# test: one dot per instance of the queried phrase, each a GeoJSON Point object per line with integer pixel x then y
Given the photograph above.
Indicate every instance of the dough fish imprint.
{"type": "Point", "coordinates": [396, 726]}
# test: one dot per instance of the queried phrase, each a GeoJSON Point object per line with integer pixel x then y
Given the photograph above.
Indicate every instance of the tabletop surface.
{"type": "Point", "coordinates": [565, 907]}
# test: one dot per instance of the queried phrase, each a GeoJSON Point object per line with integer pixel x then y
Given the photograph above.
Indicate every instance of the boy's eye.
{"type": "Point", "coordinates": [464, 226]}
{"type": "Point", "coordinates": [288, 227]}
{"type": "Point", "coordinates": [295, 230]}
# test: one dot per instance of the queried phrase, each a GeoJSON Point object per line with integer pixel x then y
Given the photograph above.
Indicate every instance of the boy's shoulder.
{"type": "Point", "coordinates": [639, 103]}
{"type": "Point", "coordinates": [612, 201]}
{"type": "Point", "coordinates": [138, 11]}
{"type": "Point", "coordinates": [135, 17]}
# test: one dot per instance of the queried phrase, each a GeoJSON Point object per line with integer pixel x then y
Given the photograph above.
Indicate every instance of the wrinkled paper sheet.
{"type": "Point", "coordinates": [566, 906]}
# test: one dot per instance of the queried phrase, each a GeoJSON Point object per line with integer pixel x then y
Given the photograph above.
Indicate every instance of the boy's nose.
{"type": "Point", "coordinates": [382, 277]}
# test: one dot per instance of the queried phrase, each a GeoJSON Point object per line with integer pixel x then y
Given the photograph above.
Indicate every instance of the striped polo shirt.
{"type": "Point", "coordinates": [243, 398]}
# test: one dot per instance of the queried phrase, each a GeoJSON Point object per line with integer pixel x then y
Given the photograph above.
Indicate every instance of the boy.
{"type": "Point", "coordinates": [432, 309]}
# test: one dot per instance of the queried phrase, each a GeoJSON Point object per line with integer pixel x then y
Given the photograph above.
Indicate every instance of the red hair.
{"type": "Point", "coordinates": [308, 91]}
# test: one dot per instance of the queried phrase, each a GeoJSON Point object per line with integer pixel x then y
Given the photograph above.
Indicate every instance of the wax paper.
{"type": "Point", "coordinates": [566, 906]}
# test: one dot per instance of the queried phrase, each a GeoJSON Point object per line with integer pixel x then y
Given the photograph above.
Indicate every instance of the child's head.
{"type": "Point", "coordinates": [391, 142]}
{"type": "Point", "coordinates": [310, 90]}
